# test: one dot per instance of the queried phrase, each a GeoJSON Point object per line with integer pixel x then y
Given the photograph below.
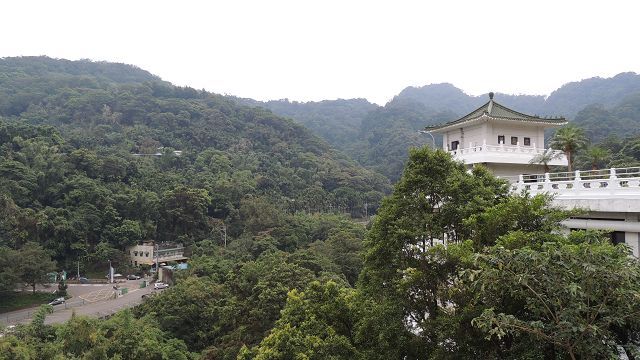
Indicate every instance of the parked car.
{"type": "Point", "coordinates": [160, 285]}
{"type": "Point", "coordinates": [83, 280]}
{"type": "Point", "coordinates": [57, 301]}
{"type": "Point", "coordinates": [133, 277]}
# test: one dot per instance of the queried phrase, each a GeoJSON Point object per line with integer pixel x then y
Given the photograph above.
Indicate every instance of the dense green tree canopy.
{"type": "Point", "coordinates": [95, 157]}
{"type": "Point", "coordinates": [102, 156]}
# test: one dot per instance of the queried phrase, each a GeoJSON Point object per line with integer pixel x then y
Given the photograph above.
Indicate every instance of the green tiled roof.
{"type": "Point", "coordinates": [494, 110]}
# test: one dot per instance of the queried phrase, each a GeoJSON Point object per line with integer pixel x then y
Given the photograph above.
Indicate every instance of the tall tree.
{"type": "Point", "coordinates": [402, 268]}
{"type": "Point", "coordinates": [184, 211]}
{"type": "Point", "coordinates": [8, 275]}
{"type": "Point", "coordinates": [597, 156]}
{"type": "Point", "coordinates": [318, 323]}
{"type": "Point", "coordinates": [35, 262]}
{"type": "Point", "coordinates": [569, 139]}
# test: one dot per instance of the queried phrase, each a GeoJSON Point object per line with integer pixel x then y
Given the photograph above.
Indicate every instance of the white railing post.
{"type": "Point", "coordinates": [613, 178]}
{"type": "Point", "coordinates": [520, 183]}
{"type": "Point", "coordinates": [547, 181]}
{"type": "Point", "coordinates": [576, 181]}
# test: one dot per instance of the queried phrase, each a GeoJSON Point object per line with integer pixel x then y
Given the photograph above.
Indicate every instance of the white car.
{"type": "Point", "coordinates": [160, 285]}
{"type": "Point", "coordinates": [57, 301]}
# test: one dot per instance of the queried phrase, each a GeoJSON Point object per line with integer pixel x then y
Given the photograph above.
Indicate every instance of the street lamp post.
{"type": "Point", "coordinates": [428, 133]}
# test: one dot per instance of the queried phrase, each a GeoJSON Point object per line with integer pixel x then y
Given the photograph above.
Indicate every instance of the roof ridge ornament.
{"type": "Point", "coordinates": [490, 107]}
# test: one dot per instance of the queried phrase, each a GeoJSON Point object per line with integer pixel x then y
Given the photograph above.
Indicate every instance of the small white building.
{"type": "Point", "coordinates": [503, 140]}
{"type": "Point", "coordinates": [148, 253]}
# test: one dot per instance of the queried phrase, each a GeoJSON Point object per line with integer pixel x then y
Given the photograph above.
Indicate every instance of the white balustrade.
{"type": "Point", "coordinates": [502, 149]}
{"type": "Point", "coordinates": [504, 154]}
{"type": "Point", "coordinates": [588, 184]}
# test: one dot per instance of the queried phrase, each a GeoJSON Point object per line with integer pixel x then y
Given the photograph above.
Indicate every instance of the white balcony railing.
{"type": "Point", "coordinates": [501, 149]}
{"type": "Point", "coordinates": [505, 154]}
{"type": "Point", "coordinates": [598, 183]}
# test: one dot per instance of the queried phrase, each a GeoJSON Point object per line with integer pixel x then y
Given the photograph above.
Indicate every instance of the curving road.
{"type": "Point", "coordinates": [87, 300]}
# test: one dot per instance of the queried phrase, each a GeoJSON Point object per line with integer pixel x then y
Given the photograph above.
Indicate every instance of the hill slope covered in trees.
{"type": "Point", "coordinates": [71, 182]}
{"type": "Point", "coordinates": [380, 137]}
{"type": "Point", "coordinates": [292, 281]}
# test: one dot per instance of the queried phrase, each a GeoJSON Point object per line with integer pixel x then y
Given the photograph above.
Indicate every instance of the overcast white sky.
{"type": "Point", "coordinates": [313, 50]}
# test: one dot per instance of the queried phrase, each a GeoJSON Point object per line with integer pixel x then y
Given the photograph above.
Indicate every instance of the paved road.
{"type": "Point", "coordinates": [90, 300]}
{"type": "Point", "coordinates": [100, 308]}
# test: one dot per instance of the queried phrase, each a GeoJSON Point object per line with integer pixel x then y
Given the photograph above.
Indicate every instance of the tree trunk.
{"type": "Point", "coordinates": [33, 285]}
{"type": "Point", "coordinates": [569, 167]}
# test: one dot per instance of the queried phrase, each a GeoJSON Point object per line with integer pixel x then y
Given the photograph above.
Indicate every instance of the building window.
{"type": "Point", "coordinates": [454, 145]}
{"type": "Point", "coordinates": [146, 254]}
{"type": "Point", "coordinates": [135, 253]}
{"type": "Point", "coordinates": [500, 139]}
{"type": "Point", "coordinates": [514, 140]}
{"type": "Point", "coordinates": [617, 237]}
{"type": "Point", "coordinates": [527, 141]}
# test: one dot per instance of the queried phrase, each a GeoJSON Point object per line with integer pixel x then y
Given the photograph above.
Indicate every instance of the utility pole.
{"type": "Point", "coordinates": [155, 250]}
{"type": "Point", "coordinates": [78, 277]}
{"type": "Point", "coordinates": [224, 229]}
{"type": "Point", "coordinates": [110, 273]}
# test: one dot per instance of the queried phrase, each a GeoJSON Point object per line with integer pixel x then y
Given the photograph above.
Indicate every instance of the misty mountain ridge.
{"type": "Point", "coordinates": [379, 137]}
{"type": "Point", "coordinates": [566, 101]}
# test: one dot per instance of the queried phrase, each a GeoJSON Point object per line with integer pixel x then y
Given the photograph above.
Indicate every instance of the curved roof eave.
{"type": "Point", "coordinates": [537, 121]}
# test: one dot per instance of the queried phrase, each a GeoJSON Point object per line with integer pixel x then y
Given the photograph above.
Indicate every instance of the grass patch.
{"type": "Point", "coordinates": [22, 300]}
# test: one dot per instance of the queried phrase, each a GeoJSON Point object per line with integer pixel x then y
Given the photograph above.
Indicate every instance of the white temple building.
{"type": "Point", "coordinates": [506, 142]}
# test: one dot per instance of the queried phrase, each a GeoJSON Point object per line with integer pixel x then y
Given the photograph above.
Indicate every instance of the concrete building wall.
{"type": "Point", "coordinates": [467, 137]}
{"type": "Point", "coordinates": [517, 130]}
{"type": "Point", "coordinates": [624, 222]}
{"type": "Point", "coordinates": [141, 254]}
{"type": "Point", "coordinates": [475, 135]}
{"type": "Point", "coordinates": [512, 171]}
{"type": "Point", "coordinates": [633, 241]}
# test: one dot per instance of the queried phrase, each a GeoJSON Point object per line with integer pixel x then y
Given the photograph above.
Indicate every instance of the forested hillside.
{"type": "Point", "coordinates": [621, 119]}
{"type": "Point", "coordinates": [278, 269]}
{"type": "Point", "coordinates": [336, 121]}
{"type": "Point", "coordinates": [495, 291]}
{"type": "Point", "coordinates": [379, 138]}
{"type": "Point", "coordinates": [70, 180]}
{"type": "Point", "coordinates": [566, 101]}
